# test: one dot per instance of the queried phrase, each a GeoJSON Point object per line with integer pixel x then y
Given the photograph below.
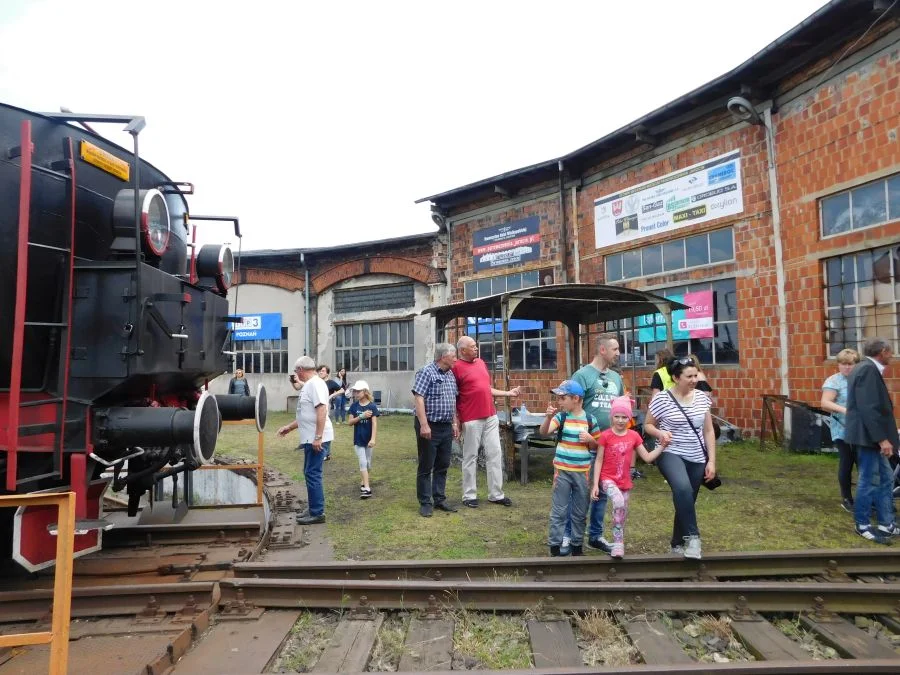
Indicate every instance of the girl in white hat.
{"type": "Point", "coordinates": [363, 417]}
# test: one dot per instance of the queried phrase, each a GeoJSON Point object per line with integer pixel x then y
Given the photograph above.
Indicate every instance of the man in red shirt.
{"type": "Point", "coordinates": [480, 426]}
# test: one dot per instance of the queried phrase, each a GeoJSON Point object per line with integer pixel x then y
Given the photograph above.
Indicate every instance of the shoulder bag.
{"type": "Point", "coordinates": [715, 481]}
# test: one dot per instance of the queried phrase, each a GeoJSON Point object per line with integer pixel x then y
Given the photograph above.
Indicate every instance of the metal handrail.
{"type": "Point", "coordinates": [258, 466]}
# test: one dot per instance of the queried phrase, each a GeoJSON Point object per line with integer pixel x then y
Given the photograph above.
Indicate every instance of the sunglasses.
{"type": "Point", "coordinates": [683, 361]}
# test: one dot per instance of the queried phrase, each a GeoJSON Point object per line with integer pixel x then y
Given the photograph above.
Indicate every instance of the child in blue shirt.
{"type": "Point", "coordinates": [363, 417]}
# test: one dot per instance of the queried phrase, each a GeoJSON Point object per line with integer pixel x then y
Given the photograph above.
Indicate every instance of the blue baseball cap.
{"type": "Point", "coordinates": [569, 387]}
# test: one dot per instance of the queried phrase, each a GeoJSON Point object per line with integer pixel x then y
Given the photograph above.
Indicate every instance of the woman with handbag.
{"type": "Point", "coordinates": [680, 421]}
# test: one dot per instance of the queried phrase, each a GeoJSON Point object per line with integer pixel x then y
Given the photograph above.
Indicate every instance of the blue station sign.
{"type": "Point", "coordinates": [257, 327]}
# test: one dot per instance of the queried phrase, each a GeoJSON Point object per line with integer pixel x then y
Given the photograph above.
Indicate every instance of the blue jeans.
{"type": "Point", "coordinates": [684, 480]}
{"type": "Point", "coordinates": [568, 502]}
{"type": "Point", "coordinates": [312, 472]}
{"type": "Point", "coordinates": [339, 404]}
{"type": "Point", "coordinates": [597, 510]}
{"type": "Point", "coordinates": [874, 485]}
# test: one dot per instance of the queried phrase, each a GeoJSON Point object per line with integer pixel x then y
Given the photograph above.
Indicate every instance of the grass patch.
{"type": "Point", "coordinates": [806, 639]}
{"type": "Point", "coordinates": [771, 499]}
{"type": "Point", "coordinates": [309, 638]}
{"type": "Point", "coordinates": [489, 641]}
{"type": "Point", "coordinates": [388, 649]}
{"type": "Point", "coordinates": [602, 641]}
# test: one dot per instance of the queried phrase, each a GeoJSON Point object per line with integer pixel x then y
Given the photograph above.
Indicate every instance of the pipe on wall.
{"type": "Point", "coordinates": [306, 304]}
{"type": "Point", "coordinates": [769, 131]}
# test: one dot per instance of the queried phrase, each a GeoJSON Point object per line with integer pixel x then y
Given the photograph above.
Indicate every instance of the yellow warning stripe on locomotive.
{"type": "Point", "coordinates": [105, 161]}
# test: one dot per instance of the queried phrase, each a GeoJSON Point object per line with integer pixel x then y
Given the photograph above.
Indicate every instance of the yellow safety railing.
{"type": "Point", "coordinates": [58, 636]}
{"type": "Point", "coordinates": [260, 456]}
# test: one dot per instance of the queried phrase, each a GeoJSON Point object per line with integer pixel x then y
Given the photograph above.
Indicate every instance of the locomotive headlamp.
{"type": "Point", "coordinates": [216, 263]}
{"type": "Point", "coordinates": [155, 225]}
{"type": "Point", "coordinates": [155, 221]}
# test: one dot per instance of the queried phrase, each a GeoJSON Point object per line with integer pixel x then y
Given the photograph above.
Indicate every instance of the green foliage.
{"type": "Point", "coordinates": [771, 500]}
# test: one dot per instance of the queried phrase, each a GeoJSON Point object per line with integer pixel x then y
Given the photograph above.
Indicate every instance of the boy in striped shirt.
{"type": "Point", "coordinates": [571, 463]}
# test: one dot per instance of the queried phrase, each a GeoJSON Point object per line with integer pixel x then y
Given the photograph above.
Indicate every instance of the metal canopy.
{"type": "Point", "coordinates": [574, 305]}
{"type": "Point", "coordinates": [571, 304]}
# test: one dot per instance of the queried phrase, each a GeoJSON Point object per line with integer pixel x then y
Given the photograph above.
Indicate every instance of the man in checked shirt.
{"type": "Point", "coordinates": [436, 424]}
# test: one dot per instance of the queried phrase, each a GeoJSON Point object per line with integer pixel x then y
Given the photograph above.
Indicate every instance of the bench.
{"type": "Point", "coordinates": [533, 444]}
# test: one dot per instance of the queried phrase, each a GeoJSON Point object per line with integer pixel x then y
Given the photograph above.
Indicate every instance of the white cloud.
{"type": "Point", "coordinates": [321, 123]}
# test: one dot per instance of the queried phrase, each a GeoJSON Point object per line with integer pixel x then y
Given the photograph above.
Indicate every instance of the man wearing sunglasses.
{"type": "Point", "coordinates": [601, 385]}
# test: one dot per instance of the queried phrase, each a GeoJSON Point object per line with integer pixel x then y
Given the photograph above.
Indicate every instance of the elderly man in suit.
{"type": "Point", "coordinates": [872, 430]}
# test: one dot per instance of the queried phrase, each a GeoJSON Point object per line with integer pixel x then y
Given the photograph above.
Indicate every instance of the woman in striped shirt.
{"type": "Point", "coordinates": [680, 420]}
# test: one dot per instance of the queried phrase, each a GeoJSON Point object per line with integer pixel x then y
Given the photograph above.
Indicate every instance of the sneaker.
{"type": "Point", "coordinates": [425, 510]}
{"type": "Point", "coordinates": [847, 505]}
{"type": "Point", "coordinates": [577, 550]}
{"type": "Point", "coordinates": [692, 547]}
{"type": "Point", "coordinates": [867, 532]}
{"type": "Point", "coordinates": [618, 551]}
{"type": "Point", "coordinates": [471, 503]}
{"type": "Point", "coordinates": [600, 544]}
{"type": "Point", "coordinates": [506, 501]}
{"type": "Point", "coordinates": [310, 519]}
{"type": "Point", "coordinates": [565, 549]}
{"type": "Point", "coordinates": [635, 474]}
{"type": "Point", "coordinates": [677, 550]}
{"type": "Point", "coordinates": [365, 493]}
{"type": "Point", "coordinates": [554, 552]}
{"type": "Point", "coordinates": [889, 530]}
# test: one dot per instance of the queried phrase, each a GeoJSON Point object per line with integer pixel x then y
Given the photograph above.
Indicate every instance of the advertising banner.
{"type": "Point", "coordinates": [257, 327]}
{"type": "Point", "coordinates": [696, 322]}
{"type": "Point", "coordinates": [509, 244]}
{"type": "Point", "coordinates": [702, 192]}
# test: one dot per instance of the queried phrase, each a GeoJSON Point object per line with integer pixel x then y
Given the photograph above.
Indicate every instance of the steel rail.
{"type": "Point", "coordinates": [822, 667]}
{"type": "Point", "coordinates": [174, 534]}
{"type": "Point", "coordinates": [630, 596]}
{"type": "Point", "coordinates": [832, 564]}
{"type": "Point", "coordinates": [16, 606]}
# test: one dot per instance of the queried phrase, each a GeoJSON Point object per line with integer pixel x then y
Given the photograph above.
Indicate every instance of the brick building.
{"type": "Point", "coordinates": [356, 306]}
{"type": "Point", "coordinates": [768, 199]}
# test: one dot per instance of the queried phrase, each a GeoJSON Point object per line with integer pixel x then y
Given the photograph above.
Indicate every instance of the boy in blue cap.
{"type": "Point", "coordinates": [571, 463]}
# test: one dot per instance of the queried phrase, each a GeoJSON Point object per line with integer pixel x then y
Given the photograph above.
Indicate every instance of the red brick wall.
{"type": "Point", "coordinates": [837, 133]}
{"type": "Point", "coordinates": [845, 131]}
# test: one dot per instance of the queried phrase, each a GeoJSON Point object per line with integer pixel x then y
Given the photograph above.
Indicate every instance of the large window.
{"type": "Point", "coordinates": [701, 249]}
{"type": "Point", "coordinates": [649, 333]}
{"type": "Point", "coordinates": [532, 344]}
{"type": "Point", "coordinates": [263, 356]}
{"type": "Point", "coordinates": [482, 288]}
{"type": "Point", "coordinates": [865, 206]}
{"type": "Point", "coordinates": [862, 298]}
{"type": "Point", "coordinates": [374, 347]}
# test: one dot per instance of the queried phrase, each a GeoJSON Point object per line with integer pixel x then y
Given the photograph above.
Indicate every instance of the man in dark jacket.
{"type": "Point", "coordinates": [872, 430]}
{"type": "Point", "coordinates": [239, 384]}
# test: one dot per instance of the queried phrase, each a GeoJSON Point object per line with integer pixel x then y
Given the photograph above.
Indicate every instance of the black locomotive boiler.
{"type": "Point", "coordinates": [113, 324]}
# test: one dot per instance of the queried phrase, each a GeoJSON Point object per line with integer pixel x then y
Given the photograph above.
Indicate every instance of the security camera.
{"type": "Point", "coordinates": [743, 110]}
{"type": "Point", "coordinates": [438, 219]}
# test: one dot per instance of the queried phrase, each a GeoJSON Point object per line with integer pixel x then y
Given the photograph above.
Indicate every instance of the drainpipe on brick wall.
{"type": "Point", "coordinates": [769, 130]}
{"type": "Point", "coordinates": [576, 250]}
{"type": "Point", "coordinates": [563, 234]}
{"type": "Point", "coordinates": [564, 260]}
{"type": "Point", "coordinates": [306, 307]}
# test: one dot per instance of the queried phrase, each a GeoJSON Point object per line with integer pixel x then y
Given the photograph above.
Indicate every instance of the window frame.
{"type": "Point", "coordinates": [639, 252]}
{"type": "Point", "coordinates": [624, 330]}
{"type": "Point", "coordinates": [375, 339]}
{"type": "Point", "coordinates": [258, 349]}
{"type": "Point", "coordinates": [890, 217]}
{"type": "Point", "coordinates": [855, 259]}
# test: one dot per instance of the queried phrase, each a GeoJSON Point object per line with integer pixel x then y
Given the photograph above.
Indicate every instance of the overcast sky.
{"type": "Point", "coordinates": [321, 123]}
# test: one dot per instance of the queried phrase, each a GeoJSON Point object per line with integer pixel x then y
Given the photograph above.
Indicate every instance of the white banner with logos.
{"type": "Point", "coordinates": [702, 192]}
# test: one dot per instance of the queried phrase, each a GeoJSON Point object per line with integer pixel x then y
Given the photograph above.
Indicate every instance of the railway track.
{"type": "Point", "coordinates": [831, 565]}
{"type": "Point", "coordinates": [640, 596]}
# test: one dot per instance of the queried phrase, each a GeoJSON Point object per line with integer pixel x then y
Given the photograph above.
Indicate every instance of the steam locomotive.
{"type": "Point", "coordinates": [113, 324]}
